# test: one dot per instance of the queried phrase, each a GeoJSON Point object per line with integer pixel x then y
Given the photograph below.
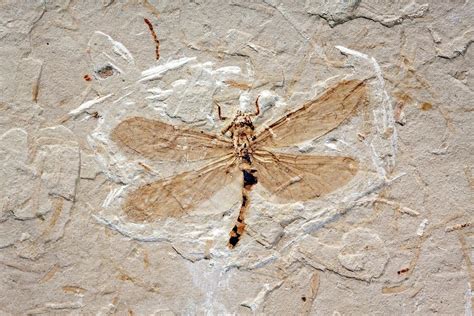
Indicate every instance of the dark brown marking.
{"type": "Point", "coordinates": [244, 200]}
{"type": "Point", "coordinates": [105, 71]}
{"type": "Point", "coordinates": [237, 231]}
{"type": "Point", "coordinates": [95, 114]}
{"type": "Point", "coordinates": [246, 158]}
{"type": "Point", "coordinates": [458, 227]}
{"type": "Point", "coordinates": [219, 112]}
{"type": "Point", "coordinates": [238, 228]}
{"type": "Point", "coordinates": [257, 107]}
{"type": "Point", "coordinates": [233, 240]}
{"type": "Point", "coordinates": [404, 270]}
{"type": "Point", "coordinates": [249, 178]}
{"type": "Point", "coordinates": [155, 38]}
{"type": "Point", "coordinates": [87, 78]}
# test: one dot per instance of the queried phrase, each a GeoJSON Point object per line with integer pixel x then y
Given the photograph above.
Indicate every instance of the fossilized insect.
{"type": "Point", "coordinates": [242, 148]}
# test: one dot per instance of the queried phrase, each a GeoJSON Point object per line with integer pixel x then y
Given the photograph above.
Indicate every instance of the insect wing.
{"type": "Point", "coordinates": [160, 141]}
{"type": "Point", "coordinates": [315, 118]}
{"type": "Point", "coordinates": [302, 177]}
{"type": "Point", "coordinates": [176, 196]}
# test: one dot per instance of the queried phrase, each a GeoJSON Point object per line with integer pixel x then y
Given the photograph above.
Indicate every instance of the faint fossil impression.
{"type": "Point", "coordinates": [244, 149]}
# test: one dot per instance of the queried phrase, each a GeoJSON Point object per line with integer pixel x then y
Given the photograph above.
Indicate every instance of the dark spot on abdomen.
{"type": "Point", "coordinates": [234, 240]}
{"type": "Point", "coordinates": [249, 178]}
{"type": "Point", "coordinates": [247, 158]}
{"type": "Point", "coordinates": [244, 201]}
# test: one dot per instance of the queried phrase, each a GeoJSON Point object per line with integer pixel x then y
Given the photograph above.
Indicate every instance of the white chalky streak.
{"type": "Point", "coordinates": [421, 229]}
{"type": "Point", "coordinates": [160, 70]}
{"type": "Point", "coordinates": [87, 105]}
{"type": "Point", "coordinates": [119, 48]}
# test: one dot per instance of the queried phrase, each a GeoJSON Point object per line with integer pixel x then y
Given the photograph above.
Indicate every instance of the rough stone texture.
{"type": "Point", "coordinates": [398, 239]}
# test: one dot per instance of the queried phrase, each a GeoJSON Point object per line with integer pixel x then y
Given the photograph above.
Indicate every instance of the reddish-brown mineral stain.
{"type": "Point", "coordinates": [425, 106]}
{"type": "Point", "coordinates": [155, 38]}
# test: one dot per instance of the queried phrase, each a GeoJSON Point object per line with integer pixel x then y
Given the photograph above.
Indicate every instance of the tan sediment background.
{"type": "Point", "coordinates": [99, 215]}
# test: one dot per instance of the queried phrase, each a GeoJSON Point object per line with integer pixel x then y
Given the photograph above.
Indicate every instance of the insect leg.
{"type": "Point", "coordinates": [219, 112]}
{"type": "Point", "coordinates": [257, 107]}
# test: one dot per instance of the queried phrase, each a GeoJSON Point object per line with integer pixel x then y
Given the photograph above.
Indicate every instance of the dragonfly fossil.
{"type": "Point", "coordinates": [242, 151]}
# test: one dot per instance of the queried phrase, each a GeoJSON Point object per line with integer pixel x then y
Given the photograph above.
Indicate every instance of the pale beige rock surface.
{"type": "Point", "coordinates": [397, 239]}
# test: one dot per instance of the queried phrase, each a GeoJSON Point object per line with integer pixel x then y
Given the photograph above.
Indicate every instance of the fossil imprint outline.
{"type": "Point", "coordinates": [241, 148]}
